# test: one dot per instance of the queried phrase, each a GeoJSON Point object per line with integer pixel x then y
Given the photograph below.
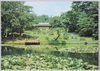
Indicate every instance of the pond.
{"type": "Point", "coordinates": [89, 52]}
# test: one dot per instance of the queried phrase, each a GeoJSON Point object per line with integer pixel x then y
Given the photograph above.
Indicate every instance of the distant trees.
{"type": "Point", "coordinates": [55, 21]}
{"type": "Point", "coordinates": [43, 18]}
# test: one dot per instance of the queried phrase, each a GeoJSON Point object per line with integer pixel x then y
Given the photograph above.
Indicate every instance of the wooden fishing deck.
{"type": "Point", "coordinates": [32, 43]}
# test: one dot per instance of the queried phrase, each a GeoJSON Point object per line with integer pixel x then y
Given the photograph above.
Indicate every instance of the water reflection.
{"type": "Point", "coordinates": [89, 53]}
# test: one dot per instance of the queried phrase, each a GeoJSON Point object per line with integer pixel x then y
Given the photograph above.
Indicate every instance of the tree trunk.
{"type": "Point", "coordinates": [58, 35]}
{"type": "Point", "coordinates": [20, 33]}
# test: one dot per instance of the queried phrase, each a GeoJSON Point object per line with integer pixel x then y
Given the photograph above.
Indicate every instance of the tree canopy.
{"type": "Point", "coordinates": [14, 17]}
{"type": "Point", "coordinates": [81, 19]}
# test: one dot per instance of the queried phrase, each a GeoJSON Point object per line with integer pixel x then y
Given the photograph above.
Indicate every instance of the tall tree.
{"type": "Point", "coordinates": [87, 13]}
{"type": "Point", "coordinates": [14, 16]}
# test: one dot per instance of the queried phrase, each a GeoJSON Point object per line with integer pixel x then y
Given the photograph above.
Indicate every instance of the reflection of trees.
{"type": "Point", "coordinates": [8, 50]}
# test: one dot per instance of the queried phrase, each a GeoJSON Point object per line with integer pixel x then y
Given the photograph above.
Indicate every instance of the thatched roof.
{"type": "Point", "coordinates": [43, 25]}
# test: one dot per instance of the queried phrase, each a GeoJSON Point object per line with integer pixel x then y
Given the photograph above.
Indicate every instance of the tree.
{"type": "Point", "coordinates": [55, 21]}
{"type": "Point", "coordinates": [87, 14]}
{"type": "Point", "coordinates": [43, 18]}
{"type": "Point", "coordinates": [69, 19]}
{"type": "Point", "coordinates": [8, 10]}
{"type": "Point", "coordinates": [93, 9]}
{"type": "Point", "coordinates": [14, 17]}
{"type": "Point", "coordinates": [84, 25]}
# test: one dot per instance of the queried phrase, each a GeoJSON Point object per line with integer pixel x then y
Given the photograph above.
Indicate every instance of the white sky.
{"type": "Point", "coordinates": [50, 8]}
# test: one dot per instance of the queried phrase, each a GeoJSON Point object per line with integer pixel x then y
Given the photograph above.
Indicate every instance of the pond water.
{"type": "Point", "coordinates": [89, 52]}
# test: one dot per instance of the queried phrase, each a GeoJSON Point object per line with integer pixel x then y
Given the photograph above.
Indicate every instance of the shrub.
{"type": "Point", "coordinates": [63, 42]}
{"type": "Point", "coordinates": [85, 43]}
{"type": "Point", "coordinates": [47, 38]}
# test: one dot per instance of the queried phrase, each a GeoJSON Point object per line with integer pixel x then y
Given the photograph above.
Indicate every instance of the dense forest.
{"type": "Point", "coordinates": [81, 19]}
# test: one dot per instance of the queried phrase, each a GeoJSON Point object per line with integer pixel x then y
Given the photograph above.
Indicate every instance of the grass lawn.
{"type": "Point", "coordinates": [48, 36]}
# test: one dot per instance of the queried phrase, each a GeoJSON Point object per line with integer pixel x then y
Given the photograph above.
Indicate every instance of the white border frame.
{"type": "Point", "coordinates": [57, 0]}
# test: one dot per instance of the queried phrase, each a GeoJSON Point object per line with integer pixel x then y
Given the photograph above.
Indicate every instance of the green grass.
{"type": "Point", "coordinates": [48, 36]}
{"type": "Point", "coordinates": [72, 38]}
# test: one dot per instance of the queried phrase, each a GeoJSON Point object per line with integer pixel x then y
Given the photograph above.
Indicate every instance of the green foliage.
{"type": "Point", "coordinates": [55, 21]}
{"type": "Point", "coordinates": [43, 62]}
{"type": "Point", "coordinates": [43, 18]}
{"type": "Point", "coordinates": [84, 25]}
{"type": "Point", "coordinates": [14, 17]}
{"type": "Point", "coordinates": [69, 19]}
{"type": "Point", "coordinates": [87, 18]}
{"type": "Point", "coordinates": [82, 18]}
